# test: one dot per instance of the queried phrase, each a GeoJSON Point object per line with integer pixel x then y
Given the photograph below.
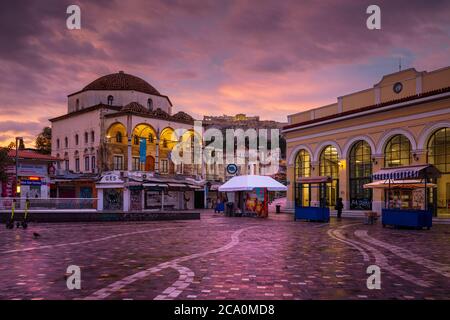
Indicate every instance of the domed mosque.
{"type": "Point", "coordinates": [121, 127]}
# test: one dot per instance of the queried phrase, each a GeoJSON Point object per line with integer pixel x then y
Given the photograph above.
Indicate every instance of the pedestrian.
{"type": "Point", "coordinates": [339, 206]}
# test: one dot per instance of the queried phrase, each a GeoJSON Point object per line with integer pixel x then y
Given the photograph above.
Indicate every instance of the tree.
{"type": "Point", "coordinates": [44, 141]}
{"type": "Point", "coordinates": [5, 160]}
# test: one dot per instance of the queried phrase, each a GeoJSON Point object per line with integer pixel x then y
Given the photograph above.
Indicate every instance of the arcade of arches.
{"type": "Point", "coordinates": [360, 161]}
{"type": "Point", "coordinates": [157, 146]}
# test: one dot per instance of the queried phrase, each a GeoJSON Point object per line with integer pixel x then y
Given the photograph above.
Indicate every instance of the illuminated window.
{"type": "Point", "coordinates": [110, 100]}
{"type": "Point", "coordinates": [397, 151]}
{"type": "Point", "coordinates": [360, 172]}
{"type": "Point", "coordinates": [302, 169]}
{"type": "Point", "coordinates": [439, 150]}
{"type": "Point", "coordinates": [329, 166]}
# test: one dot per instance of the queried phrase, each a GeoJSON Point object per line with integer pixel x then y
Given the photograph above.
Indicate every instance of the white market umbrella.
{"type": "Point", "coordinates": [250, 182]}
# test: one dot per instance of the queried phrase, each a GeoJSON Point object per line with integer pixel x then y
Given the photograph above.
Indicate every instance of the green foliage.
{"type": "Point", "coordinates": [5, 160]}
{"type": "Point", "coordinates": [44, 141]}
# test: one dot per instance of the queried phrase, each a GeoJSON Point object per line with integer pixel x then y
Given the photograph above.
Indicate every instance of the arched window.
{"type": "Point", "coordinates": [329, 166]}
{"type": "Point", "coordinates": [76, 139]}
{"type": "Point", "coordinates": [439, 150]}
{"type": "Point", "coordinates": [302, 169]}
{"type": "Point", "coordinates": [150, 104]}
{"type": "Point", "coordinates": [397, 151]}
{"type": "Point", "coordinates": [119, 137]}
{"type": "Point", "coordinates": [360, 173]}
{"type": "Point", "coordinates": [86, 137]}
{"type": "Point", "coordinates": [92, 136]}
{"type": "Point", "coordinates": [77, 104]}
{"type": "Point", "coordinates": [66, 142]}
{"type": "Point", "coordinates": [57, 143]}
{"type": "Point", "coordinates": [110, 100]}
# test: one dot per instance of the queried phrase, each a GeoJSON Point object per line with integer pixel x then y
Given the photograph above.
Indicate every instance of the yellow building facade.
{"type": "Point", "coordinates": [403, 120]}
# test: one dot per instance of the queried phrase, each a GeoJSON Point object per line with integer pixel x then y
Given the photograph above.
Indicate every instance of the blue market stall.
{"type": "Point", "coordinates": [313, 213]}
{"type": "Point", "coordinates": [408, 195]}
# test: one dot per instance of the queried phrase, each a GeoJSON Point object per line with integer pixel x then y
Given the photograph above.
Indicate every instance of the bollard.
{"type": "Point", "coordinates": [10, 223]}
{"type": "Point", "coordinates": [24, 222]}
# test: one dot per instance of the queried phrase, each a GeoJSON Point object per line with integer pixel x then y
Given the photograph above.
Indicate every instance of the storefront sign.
{"type": "Point", "coordinates": [32, 169]}
{"type": "Point", "coordinates": [111, 178]}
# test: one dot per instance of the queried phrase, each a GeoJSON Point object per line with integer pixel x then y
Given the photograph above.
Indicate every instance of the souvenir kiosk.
{"type": "Point", "coordinates": [250, 193]}
{"type": "Point", "coordinates": [321, 212]}
{"type": "Point", "coordinates": [408, 195]}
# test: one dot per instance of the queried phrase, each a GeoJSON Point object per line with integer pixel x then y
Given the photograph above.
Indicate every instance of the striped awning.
{"type": "Point", "coordinates": [407, 172]}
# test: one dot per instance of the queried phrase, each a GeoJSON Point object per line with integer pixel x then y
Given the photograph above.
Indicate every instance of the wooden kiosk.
{"type": "Point", "coordinates": [408, 195]}
{"type": "Point", "coordinates": [313, 213]}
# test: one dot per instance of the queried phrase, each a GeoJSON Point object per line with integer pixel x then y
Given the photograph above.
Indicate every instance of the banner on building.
{"type": "Point", "coordinates": [142, 149]}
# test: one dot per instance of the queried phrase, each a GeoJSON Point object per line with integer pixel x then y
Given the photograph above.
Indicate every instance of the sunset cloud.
{"type": "Point", "coordinates": [267, 58]}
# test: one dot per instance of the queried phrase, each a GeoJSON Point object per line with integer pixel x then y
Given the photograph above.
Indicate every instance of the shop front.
{"type": "Point", "coordinates": [409, 195]}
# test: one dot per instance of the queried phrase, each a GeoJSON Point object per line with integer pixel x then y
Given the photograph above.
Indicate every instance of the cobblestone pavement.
{"type": "Point", "coordinates": [224, 258]}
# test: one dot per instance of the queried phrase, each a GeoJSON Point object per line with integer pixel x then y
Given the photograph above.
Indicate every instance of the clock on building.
{"type": "Point", "coordinates": [397, 87]}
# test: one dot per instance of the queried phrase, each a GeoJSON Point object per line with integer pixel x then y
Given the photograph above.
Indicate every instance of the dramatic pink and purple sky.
{"type": "Point", "coordinates": [267, 58]}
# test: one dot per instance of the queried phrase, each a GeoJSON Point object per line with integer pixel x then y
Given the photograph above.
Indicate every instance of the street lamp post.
{"type": "Point", "coordinates": [17, 162]}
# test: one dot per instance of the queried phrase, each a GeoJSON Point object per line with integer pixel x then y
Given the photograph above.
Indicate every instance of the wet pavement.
{"type": "Point", "coordinates": [224, 258]}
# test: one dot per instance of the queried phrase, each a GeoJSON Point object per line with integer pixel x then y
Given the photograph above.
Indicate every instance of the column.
{"type": "Point", "coordinates": [126, 199]}
{"type": "Point", "coordinates": [129, 134]}
{"type": "Point", "coordinates": [290, 196]}
{"type": "Point", "coordinates": [377, 194]}
{"type": "Point", "coordinates": [315, 201]}
{"type": "Point", "coordinates": [343, 183]}
{"type": "Point", "coordinates": [99, 199]}
{"type": "Point", "coordinates": [157, 155]}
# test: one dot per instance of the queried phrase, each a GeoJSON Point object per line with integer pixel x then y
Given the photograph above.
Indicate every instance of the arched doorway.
{"type": "Point", "coordinates": [150, 163]}
{"type": "Point", "coordinates": [397, 151]}
{"type": "Point", "coordinates": [302, 169]}
{"type": "Point", "coordinates": [329, 167]}
{"type": "Point", "coordinates": [439, 155]}
{"type": "Point", "coordinates": [360, 173]}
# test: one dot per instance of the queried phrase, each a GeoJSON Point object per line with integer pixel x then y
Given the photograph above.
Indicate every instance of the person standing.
{"type": "Point", "coordinates": [339, 206]}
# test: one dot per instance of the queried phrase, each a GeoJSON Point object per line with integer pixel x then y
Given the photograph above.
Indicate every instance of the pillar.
{"type": "Point", "coordinates": [99, 199]}
{"type": "Point", "coordinates": [129, 133]}
{"type": "Point", "coordinates": [157, 155]}
{"type": "Point", "coordinates": [343, 183]}
{"type": "Point", "coordinates": [377, 194]}
{"type": "Point", "coordinates": [290, 197]}
{"type": "Point", "coordinates": [126, 199]}
{"type": "Point", "coordinates": [315, 194]}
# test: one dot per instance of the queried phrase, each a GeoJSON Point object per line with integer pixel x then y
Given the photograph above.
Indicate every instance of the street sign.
{"type": "Point", "coordinates": [232, 168]}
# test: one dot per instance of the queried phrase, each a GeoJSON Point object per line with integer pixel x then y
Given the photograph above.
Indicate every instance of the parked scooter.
{"type": "Point", "coordinates": [10, 223]}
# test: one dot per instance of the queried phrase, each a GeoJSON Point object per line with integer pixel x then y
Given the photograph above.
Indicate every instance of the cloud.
{"type": "Point", "coordinates": [269, 58]}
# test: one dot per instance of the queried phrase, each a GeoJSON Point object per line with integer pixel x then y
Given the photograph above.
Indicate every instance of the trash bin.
{"type": "Point", "coordinates": [229, 211]}
{"type": "Point", "coordinates": [278, 208]}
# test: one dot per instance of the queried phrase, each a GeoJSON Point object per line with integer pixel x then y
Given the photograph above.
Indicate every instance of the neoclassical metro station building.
{"type": "Point", "coordinates": [403, 120]}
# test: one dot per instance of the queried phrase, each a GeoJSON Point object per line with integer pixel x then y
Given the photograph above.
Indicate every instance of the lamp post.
{"type": "Point", "coordinates": [17, 162]}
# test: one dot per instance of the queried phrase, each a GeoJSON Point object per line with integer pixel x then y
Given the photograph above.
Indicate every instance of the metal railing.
{"type": "Point", "coordinates": [49, 203]}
